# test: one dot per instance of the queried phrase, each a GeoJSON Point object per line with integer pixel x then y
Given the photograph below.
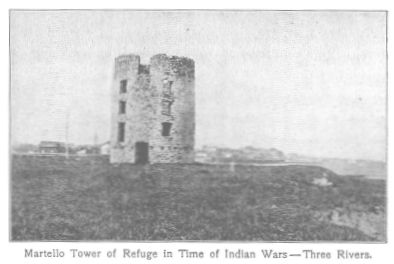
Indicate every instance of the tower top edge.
{"type": "Point", "coordinates": [171, 57]}
{"type": "Point", "coordinates": [127, 57]}
{"type": "Point", "coordinates": [159, 56]}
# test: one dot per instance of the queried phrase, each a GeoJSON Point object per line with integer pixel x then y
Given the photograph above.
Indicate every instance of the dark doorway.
{"type": "Point", "coordinates": [141, 152]}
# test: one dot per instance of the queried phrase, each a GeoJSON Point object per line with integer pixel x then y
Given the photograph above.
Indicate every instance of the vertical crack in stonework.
{"type": "Point", "coordinates": [155, 94]}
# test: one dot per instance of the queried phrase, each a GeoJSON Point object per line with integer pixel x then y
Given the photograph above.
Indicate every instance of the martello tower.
{"type": "Point", "coordinates": [153, 110]}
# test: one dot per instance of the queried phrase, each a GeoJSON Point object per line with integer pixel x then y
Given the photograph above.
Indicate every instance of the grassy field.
{"type": "Point", "coordinates": [89, 199]}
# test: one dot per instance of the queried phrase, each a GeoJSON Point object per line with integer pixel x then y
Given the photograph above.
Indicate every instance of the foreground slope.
{"type": "Point", "coordinates": [89, 199]}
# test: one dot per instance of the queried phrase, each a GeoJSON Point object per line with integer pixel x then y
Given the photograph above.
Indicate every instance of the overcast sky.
{"type": "Point", "coordinates": [307, 82]}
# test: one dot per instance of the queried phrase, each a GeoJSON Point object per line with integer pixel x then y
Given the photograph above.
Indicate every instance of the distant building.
{"type": "Point", "coordinates": [51, 147]}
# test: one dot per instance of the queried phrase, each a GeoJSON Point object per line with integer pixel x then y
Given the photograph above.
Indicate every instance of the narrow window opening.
{"type": "Point", "coordinates": [122, 107]}
{"type": "Point", "coordinates": [166, 107]}
{"type": "Point", "coordinates": [121, 132]}
{"type": "Point", "coordinates": [123, 86]}
{"type": "Point", "coordinates": [167, 87]}
{"type": "Point", "coordinates": [166, 127]}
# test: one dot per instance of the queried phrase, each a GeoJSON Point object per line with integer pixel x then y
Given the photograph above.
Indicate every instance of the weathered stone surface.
{"type": "Point", "coordinates": [162, 92]}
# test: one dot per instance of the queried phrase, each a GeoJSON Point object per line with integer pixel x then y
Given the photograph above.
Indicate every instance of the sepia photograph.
{"type": "Point", "coordinates": [198, 125]}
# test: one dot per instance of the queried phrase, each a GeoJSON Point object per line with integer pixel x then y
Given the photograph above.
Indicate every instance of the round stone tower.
{"type": "Point", "coordinates": [153, 110]}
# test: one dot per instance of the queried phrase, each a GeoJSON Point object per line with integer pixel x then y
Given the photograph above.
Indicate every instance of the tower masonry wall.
{"type": "Point", "coordinates": [157, 94]}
